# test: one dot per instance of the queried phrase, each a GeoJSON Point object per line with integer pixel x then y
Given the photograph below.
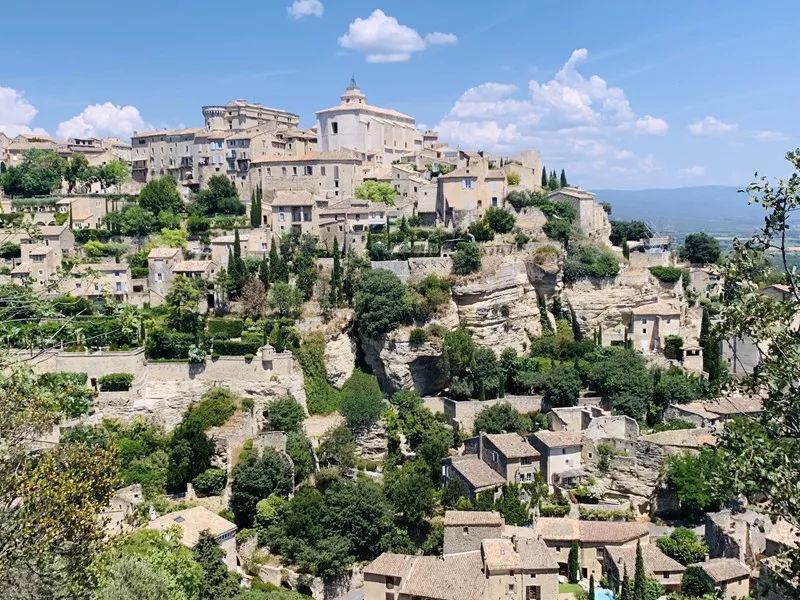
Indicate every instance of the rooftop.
{"type": "Point", "coordinates": [566, 530]}
{"type": "Point", "coordinates": [163, 252]}
{"type": "Point", "coordinates": [681, 438]}
{"type": "Point", "coordinates": [477, 473]}
{"type": "Point", "coordinates": [453, 577]}
{"type": "Point", "coordinates": [499, 554]}
{"type": "Point", "coordinates": [512, 445]}
{"type": "Point", "coordinates": [559, 439]}
{"type": "Point", "coordinates": [192, 521]}
{"type": "Point", "coordinates": [391, 565]}
{"type": "Point", "coordinates": [192, 266]}
{"type": "Point", "coordinates": [574, 192]}
{"type": "Point", "coordinates": [722, 570]}
{"type": "Point", "coordinates": [455, 518]}
{"type": "Point", "coordinates": [655, 561]}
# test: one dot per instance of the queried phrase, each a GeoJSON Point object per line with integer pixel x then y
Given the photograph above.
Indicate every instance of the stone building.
{"type": "Point", "coordinates": [560, 453]}
{"type": "Point", "coordinates": [650, 324]}
{"type": "Point", "coordinates": [731, 577]}
{"type": "Point", "coordinates": [509, 454]}
{"type": "Point", "coordinates": [474, 475]}
{"type": "Point", "coordinates": [334, 174]}
{"type": "Point", "coordinates": [464, 530]}
{"type": "Point", "coordinates": [192, 521]}
{"type": "Point", "coordinates": [592, 218]}
{"type": "Point", "coordinates": [160, 262]}
{"type": "Point", "coordinates": [657, 565]}
{"type": "Point", "coordinates": [464, 194]}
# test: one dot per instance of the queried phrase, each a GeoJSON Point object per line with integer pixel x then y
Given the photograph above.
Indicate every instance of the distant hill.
{"type": "Point", "coordinates": [719, 210]}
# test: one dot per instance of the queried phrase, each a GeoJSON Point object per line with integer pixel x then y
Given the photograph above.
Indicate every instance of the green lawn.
{"type": "Point", "coordinates": [568, 588]}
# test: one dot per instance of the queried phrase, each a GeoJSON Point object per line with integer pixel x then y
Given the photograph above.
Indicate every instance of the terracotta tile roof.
{"type": "Point", "coordinates": [454, 518]}
{"type": "Point", "coordinates": [535, 555]}
{"type": "Point", "coordinates": [512, 445]}
{"type": "Point", "coordinates": [51, 230]}
{"type": "Point", "coordinates": [192, 521]}
{"type": "Point", "coordinates": [499, 554]}
{"type": "Point", "coordinates": [735, 405]}
{"type": "Point", "coordinates": [290, 198]}
{"type": "Point", "coordinates": [611, 532]}
{"type": "Point", "coordinates": [163, 252]}
{"type": "Point", "coordinates": [22, 268]}
{"type": "Point", "coordinates": [454, 577]}
{"type": "Point", "coordinates": [477, 473]}
{"type": "Point", "coordinates": [192, 266]}
{"type": "Point", "coordinates": [391, 565]}
{"type": "Point", "coordinates": [655, 561]}
{"type": "Point", "coordinates": [724, 569]}
{"type": "Point", "coordinates": [559, 439]}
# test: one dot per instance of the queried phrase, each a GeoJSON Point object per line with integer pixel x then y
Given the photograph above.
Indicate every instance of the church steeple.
{"type": "Point", "coordinates": [353, 94]}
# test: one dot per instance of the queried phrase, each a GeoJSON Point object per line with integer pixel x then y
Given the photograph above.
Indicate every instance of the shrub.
{"type": "Point", "coordinates": [210, 482]}
{"type": "Point", "coordinates": [432, 293]}
{"type": "Point", "coordinates": [321, 397]}
{"type": "Point", "coordinates": [512, 178]}
{"type": "Point", "coordinates": [598, 514]}
{"type": "Point", "coordinates": [666, 274]}
{"type": "Point", "coordinates": [115, 382]}
{"type": "Point", "coordinates": [499, 219]}
{"type": "Point", "coordinates": [418, 336]}
{"type": "Point", "coordinates": [165, 343]}
{"type": "Point", "coordinates": [382, 302]}
{"type": "Point", "coordinates": [466, 258]}
{"type": "Point", "coordinates": [672, 347]}
{"type": "Point", "coordinates": [481, 231]}
{"type": "Point", "coordinates": [589, 261]}
{"type": "Point", "coordinates": [554, 510]}
{"type": "Point", "coordinates": [683, 545]}
{"type": "Point", "coordinates": [700, 248]}
{"type": "Point", "coordinates": [234, 348]}
{"type": "Point", "coordinates": [285, 414]}
{"type": "Point", "coordinates": [248, 357]}
{"type": "Point", "coordinates": [225, 328]}
{"type": "Point", "coordinates": [216, 406]}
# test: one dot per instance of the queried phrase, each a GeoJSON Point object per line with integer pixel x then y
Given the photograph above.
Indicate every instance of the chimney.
{"type": "Point", "coordinates": [480, 445]}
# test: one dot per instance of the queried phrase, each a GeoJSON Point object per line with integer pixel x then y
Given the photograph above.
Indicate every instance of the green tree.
{"type": "Point", "coordinates": [544, 177]}
{"type": "Point", "coordinates": [263, 272]}
{"type": "Point", "coordinates": [458, 353]}
{"type": "Point", "coordinates": [161, 194]}
{"type": "Point", "coordinates": [285, 414]}
{"type": "Point", "coordinates": [411, 493]}
{"type": "Point", "coordinates": [298, 447]}
{"type": "Point", "coordinates": [133, 578]}
{"type": "Point", "coordinates": [362, 401]}
{"type": "Point", "coordinates": [562, 386]}
{"type": "Point", "coordinates": [591, 577]}
{"type": "Point", "coordinates": [626, 588]}
{"type": "Point", "coordinates": [190, 453]}
{"type": "Point", "coordinates": [38, 174]}
{"type": "Point", "coordinates": [219, 198]}
{"type": "Point", "coordinates": [621, 376]}
{"type": "Point", "coordinates": [552, 181]}
{"type": "Point", "coordinates": [218, 584]}
{"type": "Point", "coordinates": [696, 583]}
{"type": "Point", "coordinates": [382, 302]}
{"type": "Point", "coordinates": [573, 563]}
{"type": "Point", "coordinates": [466, 258]}
{"type": "Point", "coordinates": [181, 304]}
{"type": "Point", "coordinates": [683, 545]}
{"type": "Point", "coordinates": [700, 248]}
{"type": "Point", "coordinates": [76, 169]}
{"type": "Point", "coordinates": [712, 350]}
{"type": "Point", "coordinates": [693, 479]}
{"type": "Point", "coordinates": [629, 230]}
{"type": "Point", "coordinates": [113, 173]}
{"type": "Point", "coordinates": [514, 511]}
{"type": "Point", "coordinates": [500, 418]}
{"type": "Point", "coordinates": [335, 294]}
{"type": "Point", "coordinates": [255, 209]}
{"type": "Point", "coordinates": [640, 575]}
{"type": "Point", "coordinates": [256, 477]}
{"type": "Point", "coordinates": [563, 179]}
{"type": "Point", "coordinates": [488, 376]}
{"type": "Point", "coordinates": [337, 448]}
{"type": "Point", "coordinates": [499, 219]}
{"type": "Point", "coordinates": [285, 299]}
{"type": "Point", "coordinates": [278, 269]}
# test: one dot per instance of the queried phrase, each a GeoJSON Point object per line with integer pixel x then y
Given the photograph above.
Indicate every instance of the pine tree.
{"type": "Point", "coordinates": [563, 178]}
{"type": "Point", "coordinates": [544, 176]}
{"type": "Point", "coordinates": [336, 275]}
{"type": "Point", "coordinates": [573, 563]}
{"type": "Point", "coordinates": [639, 577]}
{"type": "Point", "coordinates": [216, 581]}
{"type": "Point", "coordinates": [263, 272]}
{"type": "Point", "coordinates": [591, 587]}
{"type": "Point", "coordinates": [274, 260]}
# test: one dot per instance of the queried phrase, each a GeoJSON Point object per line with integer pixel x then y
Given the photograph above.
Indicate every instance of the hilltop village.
{"type": "Point", "coordinates": [351, 361]}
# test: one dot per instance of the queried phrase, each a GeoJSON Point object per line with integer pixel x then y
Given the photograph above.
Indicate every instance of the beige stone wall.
{"type": "Point", "coordinates": [462, 413]}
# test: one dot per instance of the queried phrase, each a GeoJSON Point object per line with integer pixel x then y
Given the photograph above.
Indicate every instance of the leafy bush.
{"type": "Point", "coordinates": [432, 293]}
{"type": "Point", "coordinates": [225, 328]}
{"type": "Point", "coordinates": [165, 343]}
{"type": "Point", "coordinates": [285, 414]}
{"type": "Point", "coordinates": [234, 348]}
{"type": "Point", "coordinates": [321, 397]}
{"type": "Point", "coordinates": [216, 406]}
{"type": "Point", "coordinates": [361, 401]}
{"type": "Point", "coordinates": [598, 514]}
{"type": "Point", "coordinates": [256, 477]}
{"type": "Point", "coordinates": [666, 274]}
{"type": "Point", "coordinates": [466, 258]}
{"type": "Point", "coordinates": [499, 219]}
{"type": "Point", "coordinates": [700, 248]}
{"type": "Point", "coordinates": [589, 261]}
{"type": "Point", "coordinates": [70, 392]}
{"type": "Point", "coordinates": [673, 345]}
{"type": "Point", "coordinates": [554, 510]}
{"type": "Point", "coordinates": [512, 178]}
{"type": "Point", "coordinates": [683, 545]}
{"type": "Point", "coordinates": [629, 230]}
{"type": "Point", "coordinates": [86, 235]}
{"type": "Point", "coordinates": [481, 231]}
{"type": "Point", "coordinates": [418, 336]}
{"type": "Point", "coordinates": [115, 382]}
{"type": "Point", "coordinates": [210, 482]}
{"type": "Point", "coordinates": [10, 250]}
{"type": "Point", "coordinates": [501, 418]}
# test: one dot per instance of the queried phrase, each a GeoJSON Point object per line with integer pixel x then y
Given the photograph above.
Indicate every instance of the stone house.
{"type": "Point", "coordinates": [713, 413]}
{"type": "Point", "coordinates": [475, 475]}
{"type": "Point", "coordinates": [560, 453]}
{"type": "Point", "coordinates": [291, 210]}
{"type": "Point", "coordinates": [509, 454]}
{"type": "Point", "coordinates": [667, 571]}
{"type": "Point", "coordinates": [38, 266]}
{"type": "Point", "coordinates": [120, 507]}
{"type": "Point", "coordinates": [464, 530]}
{"type": "Point", "coordinates": [253, 243]}
{"type": "Point", "coordinates": [593, 537]}
{"type": "Point", "coordinates": [650, 324]}
{"type": "Point", "coordinates": [98, 280]}
{"type": "Point", "coordinates": [464, 194]}
{"type": "Point", "coordinates": [196, 269]}
{"type": "Point", "coordinates": [351, 220]}
{"type": "Point", "coordinates": [192, 521]}
{"type": "Point", "coordinates": [592, 218]}
{"type": "Point", "coordinates": [160, 262]}
{"type": "Point", "coordinates": [731, 577]}
{"type": "Point", "coordinates": [334, 174]}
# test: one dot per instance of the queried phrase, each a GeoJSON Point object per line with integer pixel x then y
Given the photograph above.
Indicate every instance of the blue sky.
{"type": "Point", "coordinates": [621, 94]}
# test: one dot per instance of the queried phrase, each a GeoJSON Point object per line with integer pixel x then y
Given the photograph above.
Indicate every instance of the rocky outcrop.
{"type": "Point", "coordinates": [401, 365]}
{"type": "Point", "coordinates": [340, 357]}
{"type": "Point", "coordinates": [373, 443]}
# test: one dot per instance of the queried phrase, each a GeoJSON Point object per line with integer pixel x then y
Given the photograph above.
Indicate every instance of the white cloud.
{"type": "Point", "coordinates": [16, 113]}
{"type": "Point", "coordinates": [578, 122]}
{"type": "Point", "coordinates": [437, 37]}
{"type": "Point", "coordinates": [383, 39]}
{"type": "Point", "coordinates": [712, 126]}
{"type": "Point", "coordinates": [99, 120]}
{"type": "Point", "coordinates": [305, 8]}
{"type": "Point", "coordinates": [767, 135]}
{"type": "Point", "coordinates": [693, 171]}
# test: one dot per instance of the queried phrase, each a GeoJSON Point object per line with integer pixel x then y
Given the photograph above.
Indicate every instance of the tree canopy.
{"type": "Point", "coordinates": [382, 302]}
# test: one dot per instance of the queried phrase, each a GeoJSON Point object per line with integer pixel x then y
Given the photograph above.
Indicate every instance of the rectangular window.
{"type": "Point", "coordinates": [334, 128]}
{"type": "Point", "coordinates": [467, 184]}
{"type": "Point", "coordinates": [309, 170]}
{"type": "Point", "coordinates": [294, 171]}
{"type": "Point", "coordinates": [283, 169]}
{"type": "Point", "coordinates": [322, 171]}
{"type": "Point", "coordinates": [159, 277]}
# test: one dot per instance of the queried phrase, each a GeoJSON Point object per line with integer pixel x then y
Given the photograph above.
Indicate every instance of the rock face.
{"type": "Point", "coordinates": [340, 357]}
{"type": "Point", "coordinates": [400, 365]}
{"type": "Point", "coordinates": [601, 303]}
{"type": "Point", "coordinates": [373, 443]}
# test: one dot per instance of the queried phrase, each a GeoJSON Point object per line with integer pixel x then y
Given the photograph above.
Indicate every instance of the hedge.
{"type": "Point", "coordinates": [115, 382]}
{"type": "Point", "coordinates": [163, 343]}
{"type": "Point", "coordinates": [225, 328]}
{"type": "Point", "coordinates": [553, 510]}
{"type": "Point", "coordinates": [88, 235]}
{"type": "Point", "coordinates": [666, 274]}
{"type": "Point", "coordinates": [253, 337]}
{"type": "Point", "coordinates": [599, 514]}
{"type": "Point", "coordinates": [233, 348]}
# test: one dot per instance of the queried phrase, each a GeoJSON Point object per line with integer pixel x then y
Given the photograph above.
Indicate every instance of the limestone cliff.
{"type": "Point", "coordinates": [400, 365]}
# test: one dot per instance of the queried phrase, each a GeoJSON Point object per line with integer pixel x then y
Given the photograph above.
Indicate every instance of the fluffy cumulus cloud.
{"type": "Point", "coordinates": [99, 120]}
{"type": "Point", "coordinates": [383, 39]}
{"type": "Point", "coordinates": [712, 126]}
{"type": "Point", "coordinates": [578, 121]}
{"type": "Point", "coordinates": [17, 113]}
{"type": "Point", "coordinates": [305, 8]}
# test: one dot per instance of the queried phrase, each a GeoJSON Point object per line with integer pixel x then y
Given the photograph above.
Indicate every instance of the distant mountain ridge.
{"type": "Point", "coordinates": [719, 210]}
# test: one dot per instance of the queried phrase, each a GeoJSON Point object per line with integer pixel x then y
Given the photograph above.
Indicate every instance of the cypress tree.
{"type": "Point", "coordinates": [236, 267]}
{"type": "Point", "coordinates": [625, 590]}
{"type": "Point", "coordinates": [274, 261]}
{"type": "Point", "coordinates": [552, 183]}
{"type": "Point", "coordinates": [639, 577]}
{"type": "Point", "coordinates": [237, 245]}
{"type": "Point", "coordinates": [263, 272]}
{"type": "Point", "coordinates": [591, 587]}
{"type": "Point", "coordinates": [255, 210]}
{"type": "Point", "coordinates": [563, 178]}
{"type": "Point", "coordinates": [216, 581]}
{"type": "Point", "coordinates": [626, 251]}
{"type": "Point", "coordinates": [336, 275]}
{"type": "Point", "coordinates": [712, 359]}
{"type": "Point", "coordinates": [544, 176]}
{"type": "Point", "coordinates": [573, 563]}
